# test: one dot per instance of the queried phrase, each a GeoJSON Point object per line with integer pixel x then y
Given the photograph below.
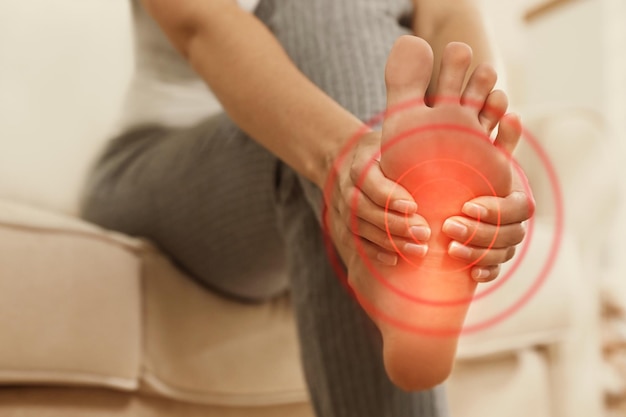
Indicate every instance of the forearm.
{"type": "Point", "coordinates": [262, 90]}
{"type": "Point", "coordinates": [440, 22]}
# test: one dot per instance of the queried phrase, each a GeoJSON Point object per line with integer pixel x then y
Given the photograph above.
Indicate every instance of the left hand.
{"type": "Point", "coordinates": [514, 209]}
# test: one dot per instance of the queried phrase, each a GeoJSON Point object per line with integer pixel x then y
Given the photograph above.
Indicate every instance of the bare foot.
{"type": "Point", "coordinates": [420, 304]}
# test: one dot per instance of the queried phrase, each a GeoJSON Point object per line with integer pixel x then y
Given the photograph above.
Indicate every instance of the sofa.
{"type": "Point", "coordinates": [95, 323]}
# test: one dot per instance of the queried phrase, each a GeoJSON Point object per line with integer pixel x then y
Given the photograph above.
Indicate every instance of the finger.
{"type": "Point", "coordinates": [382, 240]}
{"type": "Point", "coordinates": [514, 208]}
{"type": "Point", "coordinates": [380, 189]}
{"type": "Point", "coordinates": [375, 243]}
{"type": "Point", "coordinates": [411, 226]}
{"type": "Point", "coordinates": [373, 234]}
{"type": "Point", "coordinates": [411, 246]}
{"type": "Point", "coordinates": [374, 253]}
{"type": "Point", "coordinates": [485, 273]}
{"type": "Point", "coordinates": [480, 256]}
{"type": "Point", "coordinates": [480, 234]}
{"type": "Point", "coordinates": [351, 244]}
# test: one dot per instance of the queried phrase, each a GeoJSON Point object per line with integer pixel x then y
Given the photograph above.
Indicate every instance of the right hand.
{"type": "Point", "coordinates": [357, 208]}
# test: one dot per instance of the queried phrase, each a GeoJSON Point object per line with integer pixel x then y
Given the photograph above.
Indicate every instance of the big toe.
{"type": "Point", "coordinates": [408, 71]}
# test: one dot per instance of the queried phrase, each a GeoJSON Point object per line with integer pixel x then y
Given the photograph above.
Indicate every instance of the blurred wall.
{"type": "Point", "coordinates": [574, 56]}
{"type": "Point", "coordinates": [615, 110]}
{"type": "Point", "coordinates": [63, 68]}
{"type": "Point", "coordinates": [64, 65]}
{"type": "Point", "coordinates": [556, 59]}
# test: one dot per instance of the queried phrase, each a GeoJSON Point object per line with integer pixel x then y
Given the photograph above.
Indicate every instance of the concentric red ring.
{"type": "Point", "coordinates": [497, 318]}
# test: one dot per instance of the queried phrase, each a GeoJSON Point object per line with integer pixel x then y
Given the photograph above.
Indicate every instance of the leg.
{"type": "Point", "coordinates": [171, 185]}
{"type": "Point", "coordinates": [341, 348]}
{"type": "Point", "coordinates": [342, 46]}
{"type": "Point", "coordinates": [206, 195]}
{"type": "Point", "coordinates": [448, 162]}
{"type": "Point", "coordinates": [353, 385]}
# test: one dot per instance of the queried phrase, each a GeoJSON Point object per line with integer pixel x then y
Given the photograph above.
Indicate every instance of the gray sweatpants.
{"type": "Point", "coordinates": [235, 217]}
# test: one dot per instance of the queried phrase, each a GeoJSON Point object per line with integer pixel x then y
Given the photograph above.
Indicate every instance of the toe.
{"type": "Point", "coordinates": [493, 110]}
{"type": "Point", "coordinates": [408, 70]}
{"type": "Point", "coordinates": [480, 84]}
{"type": "Point", "coordinates": [455, 62]}
{"type": "Point", "coordinates": [509, 133]}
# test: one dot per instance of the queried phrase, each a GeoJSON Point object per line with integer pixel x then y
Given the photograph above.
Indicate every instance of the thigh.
{"type": "Point", "coordinates": [205, 195]}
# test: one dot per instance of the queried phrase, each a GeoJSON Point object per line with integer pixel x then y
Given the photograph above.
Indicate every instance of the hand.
{"type": "Point", "coordinates": [359, 201]}
{"type": "Point", "coordinates": [514, 210]}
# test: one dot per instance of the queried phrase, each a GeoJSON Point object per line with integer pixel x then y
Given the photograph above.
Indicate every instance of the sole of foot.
{"type": "Point", "coordinates": [442, 154]}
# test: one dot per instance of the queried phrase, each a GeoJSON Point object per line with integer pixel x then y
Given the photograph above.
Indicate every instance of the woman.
{"type": "Point", "coordinates": [235, 196]}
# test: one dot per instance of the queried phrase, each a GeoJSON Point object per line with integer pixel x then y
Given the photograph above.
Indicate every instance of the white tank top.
{"type": "Point", "coordinates": [164, 89]}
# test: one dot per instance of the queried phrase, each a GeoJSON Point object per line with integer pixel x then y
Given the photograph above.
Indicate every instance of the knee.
{"type": "Point", "coordinates": [257, 287]}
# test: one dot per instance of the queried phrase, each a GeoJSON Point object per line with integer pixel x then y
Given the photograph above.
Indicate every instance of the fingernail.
{"type": "Point", "coordinates": [459, 251]}
{"type": "Point", "coordinates": [415, 250]}
{"type": "Point", "coordinates": [474, 210]}
{"type": "Point", "coordinates": [455, 228]}
{"type": "Point", "coordinates": [480, 273]}
{"type": "Point", "coordinates": [420, 232]}
{"type": "Point", "coordinates": [387, 259]}
{"type": "Point", "coordinates": [404, 206]}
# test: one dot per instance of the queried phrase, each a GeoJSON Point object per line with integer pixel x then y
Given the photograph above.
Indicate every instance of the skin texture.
{"type": "Point", "coordinates": [203, 32]}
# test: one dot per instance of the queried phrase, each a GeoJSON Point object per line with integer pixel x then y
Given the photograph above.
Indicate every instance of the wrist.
{"type": "Point", "coordinates": [337, 154]}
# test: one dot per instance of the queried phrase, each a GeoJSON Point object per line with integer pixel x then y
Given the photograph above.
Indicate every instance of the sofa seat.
{"type": "Point", "coordinates": [83, 306]}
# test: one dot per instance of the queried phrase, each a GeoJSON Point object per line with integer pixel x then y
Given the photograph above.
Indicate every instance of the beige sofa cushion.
{"type": "Point", "coordinates": [203, 348]}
